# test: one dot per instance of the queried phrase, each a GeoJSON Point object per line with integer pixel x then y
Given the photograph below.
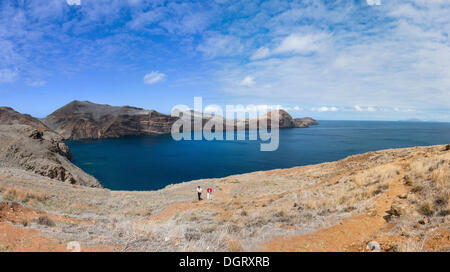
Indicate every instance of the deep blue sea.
{"type": "Point", "coordinates": [149, 163]}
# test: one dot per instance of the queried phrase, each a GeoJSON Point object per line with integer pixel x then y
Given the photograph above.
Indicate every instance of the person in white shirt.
{"type": "Point", "coordinates": [199, 192]}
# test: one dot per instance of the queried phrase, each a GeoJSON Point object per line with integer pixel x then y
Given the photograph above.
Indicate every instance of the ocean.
{"type": "Point", "coordinates": [150, 163]}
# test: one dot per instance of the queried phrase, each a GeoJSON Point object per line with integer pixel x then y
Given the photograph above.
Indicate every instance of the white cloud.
{"type": "Point", "coordinates": [219, 45]}
{"type": "Point", "coordinates": [36, 83]}
{"type": "Point", "coordinates": [301, 43]}
{"type": "Point", "coordinates": [374, 2]}
{"type": "Point", "coordinates": [154, 77]}
{"type": "Point", "coordinates": [397, 58]}
{"type": "Point", "coordinates": [8, 75]}
{"type": "Point", "coordinates": [73, 2]}
{"type": "Point", "coordinates": [248, 81]}
{"type": "Point", "coordinates": [261, 53]}
{"type": "Point", "coordinates": [325, 109]}
{"type": "Point", "coordinates": [369, 109]}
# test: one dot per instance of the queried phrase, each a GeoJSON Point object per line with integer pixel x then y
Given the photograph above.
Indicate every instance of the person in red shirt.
{"type": "Point", "coordinates": [209, 193]}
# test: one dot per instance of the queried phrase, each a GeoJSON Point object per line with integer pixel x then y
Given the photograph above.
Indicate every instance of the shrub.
{"type": "Point", "coordinates": [441, 200]}
{"type": "Point", "coordinates": [22, 195]}
{"type": "Point", "coordinates": [417, 189]}
{"type": "Point", "coordinates": [44, 220]}
{"type": "Point", "coordinates": [426, 208]}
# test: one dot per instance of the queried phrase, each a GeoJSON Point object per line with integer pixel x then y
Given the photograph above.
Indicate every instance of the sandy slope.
{"type": "Point", "coordinates": [397, 197]}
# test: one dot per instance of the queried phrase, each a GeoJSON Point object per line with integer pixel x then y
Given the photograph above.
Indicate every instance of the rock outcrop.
{"type": "Point", "coordinates": [305, 122]}
{"type": "Point", "coordinates": [86, 120]}
{"type": "Point", "coordinates": [286, 120]}
{"type": "Point", "coordinates": [26, 143]}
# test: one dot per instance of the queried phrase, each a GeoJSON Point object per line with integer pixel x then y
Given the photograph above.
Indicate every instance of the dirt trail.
{"type": "Point", "coordinates": [349, 232]}
{"type": "Point", "coordinates": [171, 210]}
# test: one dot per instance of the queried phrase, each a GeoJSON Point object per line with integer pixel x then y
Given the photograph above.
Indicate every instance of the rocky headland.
{"type": "Point", "coordinates": [83, 119]}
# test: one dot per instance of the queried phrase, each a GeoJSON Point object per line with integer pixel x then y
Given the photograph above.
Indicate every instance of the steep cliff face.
{"type": "Point", "coordinates": [286, 120]}
{"type": "Point", "coordinates": [305, 122]}
{"type": "Point", "coordinates": [83, 119]}
{"type": "Point", "coordinates": [26, 143]}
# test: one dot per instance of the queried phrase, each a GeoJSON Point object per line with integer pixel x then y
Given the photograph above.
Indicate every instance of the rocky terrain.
{"type": "Point", "coordinates": [83, 119]}
{"type": "Point", "coordinates": [26, 143]}
{"type": "Point", "coordinates": [388, 200]}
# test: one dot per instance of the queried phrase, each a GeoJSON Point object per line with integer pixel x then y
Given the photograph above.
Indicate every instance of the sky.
{"type": "Point", "coordinates": [344, 60]}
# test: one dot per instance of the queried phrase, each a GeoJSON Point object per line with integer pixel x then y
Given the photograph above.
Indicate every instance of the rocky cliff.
{"type": "Point", "coordinates": [83, 119]}
{"type": "Point", "coordinates": [26, 143]}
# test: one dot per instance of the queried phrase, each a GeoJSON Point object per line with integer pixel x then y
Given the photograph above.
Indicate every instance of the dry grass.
{"type": "Point", "coordinates": [23, 195]}
{"type": "Point", "coordinates": [253, 208]}
{"type": "Point", "coordinates": [426, 208]}
{"type": "Point", "coordinates": [351, 191]}
{"type": "Point", "coordinates": [234, 246]}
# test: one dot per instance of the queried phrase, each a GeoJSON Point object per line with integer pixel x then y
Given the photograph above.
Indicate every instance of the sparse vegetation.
{"type": "Point", "coordinates": [45, 221]}
{"type": "Point", "coordinates": [426, 208]}
{"type": "Point", "coordinates": [23, 195]}
{"type": "Point", "coordinates": [250, 210]}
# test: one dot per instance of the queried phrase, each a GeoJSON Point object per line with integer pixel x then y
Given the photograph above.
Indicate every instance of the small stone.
{"type": "Point", "coordinates": [424, 221]}
{"type": "Point", "coordinates": [374, 246]}
{"type": "Point", "coordinates": [403, 196]}
{"type": "Point", "coordinates": [396, 210]}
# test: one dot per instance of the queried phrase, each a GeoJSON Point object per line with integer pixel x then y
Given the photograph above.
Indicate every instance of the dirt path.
{"type": "Point", "coordinates": [349, 232]}
{"type": "Point", "coordinates": [171, 210]}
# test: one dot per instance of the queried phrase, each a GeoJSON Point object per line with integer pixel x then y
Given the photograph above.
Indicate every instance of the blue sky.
{"type": "Point", "coordinates": [359, 59]}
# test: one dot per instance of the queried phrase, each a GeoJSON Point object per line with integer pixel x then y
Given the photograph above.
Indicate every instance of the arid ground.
{"type": "Point", "coordinates": [397, 199]}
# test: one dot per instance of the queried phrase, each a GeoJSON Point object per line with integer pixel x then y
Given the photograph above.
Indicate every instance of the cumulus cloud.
{"type": "Point", "coordinates": [325, 109]}
{"type": "Point", "coordinates": [374, 2]}
{"type": "Point", "coordinates": [73, 2]}
{"type": "Point", "coordinates": [301, 44]}
{"type": "Point", "coordinates": [392, 56]}
{"type": "Point", "coordinates": [248, 81]}
{"type": "Point", "coordinates": [8, 75]}
{"type": "Point", "coordinates": [154, 77]}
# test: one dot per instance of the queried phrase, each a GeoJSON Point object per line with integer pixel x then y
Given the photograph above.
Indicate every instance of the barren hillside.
{"type": "Point", "coordinates": [397, 198]}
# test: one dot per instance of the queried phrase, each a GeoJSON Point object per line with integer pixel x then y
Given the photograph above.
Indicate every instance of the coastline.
{"type": "Point", "coordinates": [272, 204]}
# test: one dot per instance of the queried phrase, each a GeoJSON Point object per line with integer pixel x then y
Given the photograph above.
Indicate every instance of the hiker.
{"type": "Point", "coordinates": [209, 193]}
{"type": "Point", "coordinates": [199, 192]}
